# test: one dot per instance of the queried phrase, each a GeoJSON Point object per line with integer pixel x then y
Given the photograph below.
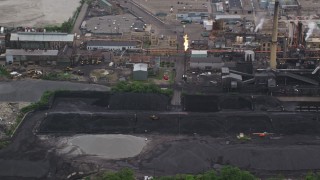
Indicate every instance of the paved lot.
{"type": "Point", "coordinates": [80, 18]}
{"type": "Point", "coordinates": [31, 90]}
{"type": "Point", "coordinates": [111, 24]}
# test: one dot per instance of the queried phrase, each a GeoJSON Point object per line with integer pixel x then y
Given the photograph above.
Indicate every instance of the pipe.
{"type": "Point", "coordinates": [274, 41]}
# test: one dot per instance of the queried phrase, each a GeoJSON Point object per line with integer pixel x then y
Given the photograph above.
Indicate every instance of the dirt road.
{"type": "Point", "coordinates": [31, 90]}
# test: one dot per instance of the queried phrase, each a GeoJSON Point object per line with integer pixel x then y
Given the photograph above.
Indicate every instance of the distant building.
{"type": "Point", "coordinates": [207, 63]}
{"type": "Point", "coordinates": [40, 40]}
{"type": "Point", "coordinates": [195, 15]}
{"type": "Point", "coordinates": [140, 72]}
{"type": "Point", "coordinates": [111, 45]}
{"type": "Point", "coordinates": [313, 43]}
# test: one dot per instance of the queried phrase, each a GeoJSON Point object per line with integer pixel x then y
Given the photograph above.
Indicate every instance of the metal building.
{"type": "Point", "coordinates": [111, 45]}
{"type": "Point", "coordinates": [40, 40]}
{"type": "Point", "coordinates": [140, 72]}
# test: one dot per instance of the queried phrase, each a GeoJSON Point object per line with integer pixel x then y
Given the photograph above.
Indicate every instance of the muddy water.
{"type": "Point", "coordinates": [107, 146]}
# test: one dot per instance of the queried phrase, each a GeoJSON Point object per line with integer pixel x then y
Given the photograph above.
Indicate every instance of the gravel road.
{"type": "Point", "coordinates": [31, 90]}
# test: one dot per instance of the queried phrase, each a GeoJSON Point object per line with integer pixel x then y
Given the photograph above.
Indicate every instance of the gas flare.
{"type": "Point", "coordinates": [186, 42]}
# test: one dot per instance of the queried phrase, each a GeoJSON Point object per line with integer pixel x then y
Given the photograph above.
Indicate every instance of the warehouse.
{"type": "Point", "coordinates": [140, 72]}
{"type": "Point", "coordinates": [206, 63]}
{"type": "Point", "coordinates": [24, 57]}
{"type": "Point", "coordinates": [111, 45]}
{"type": "Point", "coordinates": [40, 40]}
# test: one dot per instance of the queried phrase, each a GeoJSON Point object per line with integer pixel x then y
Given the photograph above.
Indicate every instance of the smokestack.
{"type": "Point", "coordinates": [300, 34]}
{"type": "Point", "coordinates": [273, 54]}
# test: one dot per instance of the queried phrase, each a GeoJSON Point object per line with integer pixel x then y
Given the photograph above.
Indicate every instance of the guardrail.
{"type": "Point", "coordinates": [147, 11]}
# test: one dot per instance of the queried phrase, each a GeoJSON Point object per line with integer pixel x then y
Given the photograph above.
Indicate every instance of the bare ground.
{"type": "Point", "coordinates": [37, 13]}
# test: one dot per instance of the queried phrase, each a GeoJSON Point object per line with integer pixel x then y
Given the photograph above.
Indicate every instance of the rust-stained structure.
{"type": "Point", "coordinates": [274, 41]}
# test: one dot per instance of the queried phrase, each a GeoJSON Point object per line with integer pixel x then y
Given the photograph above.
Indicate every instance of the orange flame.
{"type": "Point", "coordinates": [186, 42]}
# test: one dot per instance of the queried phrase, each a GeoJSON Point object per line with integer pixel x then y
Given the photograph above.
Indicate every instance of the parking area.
{"type": "Point", "coordinates": [110, 24]}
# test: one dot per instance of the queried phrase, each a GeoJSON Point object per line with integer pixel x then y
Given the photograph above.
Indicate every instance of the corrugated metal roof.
{"type": "Point", "coordinates": [42, 37]}
{"type": "Point", "coordinates": [228, 17]}
{"type": "Point", "coordinates": [204, 52]}
{"type": "Point", "coordinates": [22, 52]}
{"type": "Point", "coordinates": [233, 76]}
{"type": "Point", "coordinates": [140, 67]}
{"type": "Point", "coordinates": [111, 43]}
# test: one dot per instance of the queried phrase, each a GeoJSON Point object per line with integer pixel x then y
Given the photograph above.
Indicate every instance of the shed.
{"type": "Point", "coordinates": [140, 72]}
{"type": "Point", "coordinates": [231, 81]}
{"type": "Point", "coordinates": [199, 53]}
{"type": "Point", "coordinates": [208, 24]}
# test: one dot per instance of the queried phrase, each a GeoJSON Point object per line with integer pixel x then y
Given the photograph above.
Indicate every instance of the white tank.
{"type": "Point", "coordinates": [2, 30]}
{"type": "Point", "coordinates": [237, 39]}
{"type": "Point", "coordinates": [249, 55]}
{"type": "Point", "coordinates": [251, 29]}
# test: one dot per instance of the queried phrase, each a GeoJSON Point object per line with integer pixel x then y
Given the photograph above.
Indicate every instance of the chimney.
{"type": "Point", "coordinates": [274, 41]}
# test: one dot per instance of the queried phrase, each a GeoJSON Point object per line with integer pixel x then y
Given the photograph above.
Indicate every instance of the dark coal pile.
{"type": "Point", "coordinates": [248, 124]}
{"type": "Point", "coordinates": [85, 123]}
{"type": "Point", "coordinates": [101, 101]}
{"type": "Point", "coordinates": [235, 102]}
{"type": "Point", "coordinates": [79, 104]}
{"type": "Point", "coordinates": [80, 101]}
{"type": "Point", "coordinates": [298, 124]}
{"type": "Point", "coordinates": [202, 124]}
{"type": "Point", "coordinates": [199, 103]}
{"type": "Point", "coordinates": [266, 102]}
{"type": "Point", "coordinates": [139, 101]}
{"type": "Point", "coordinates": [214, 103]}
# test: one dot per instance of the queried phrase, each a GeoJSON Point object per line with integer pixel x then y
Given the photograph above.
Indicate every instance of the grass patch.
{"type": "Point", "coordinates": [4, 144]}
{"type": "Point", "coordinates": [140, 87]}
{"type": "Point", "coordinates": [226, 173]}
{"type": "Point", "coordinates": [57, 76]}
{"type": "Point", "coordinates": [4, 72]}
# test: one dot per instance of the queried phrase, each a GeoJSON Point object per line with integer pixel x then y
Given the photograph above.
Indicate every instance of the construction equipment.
{"type": "Point", "coordinates": [263, 134]}
{"type": "Point", "coordinates": [154, 117]}
{"type": "Point", "coordinates": [67, 69]}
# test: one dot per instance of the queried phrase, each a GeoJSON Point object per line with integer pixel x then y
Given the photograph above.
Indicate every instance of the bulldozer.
{"type": "Point", "coordinates": [154, 117]}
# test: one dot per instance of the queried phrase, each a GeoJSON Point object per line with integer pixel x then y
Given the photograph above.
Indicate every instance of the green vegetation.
{"type": "Point", "coordinates": [124, 174]}
{"type": "Point", "coordinates": [313, 176]}
{"type": "Point", "coordinates": [4, 143]}
{"type": "Point", "coordinates": [4, 72]}
{"type": "Point", "coordinates": [65, 27]}
{"type": "Point", "coordinates": [140, 87]}
{"type": "Point", "coordinates": [227, 173]}
{"type": "Point", "coordinates": [43, 102]}
{"type": "Point", "coordinates": [57, 76]}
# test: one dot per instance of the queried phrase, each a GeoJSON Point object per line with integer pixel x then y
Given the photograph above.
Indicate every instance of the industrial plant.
{"type": "Point", "coordinates": [163, 87]}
